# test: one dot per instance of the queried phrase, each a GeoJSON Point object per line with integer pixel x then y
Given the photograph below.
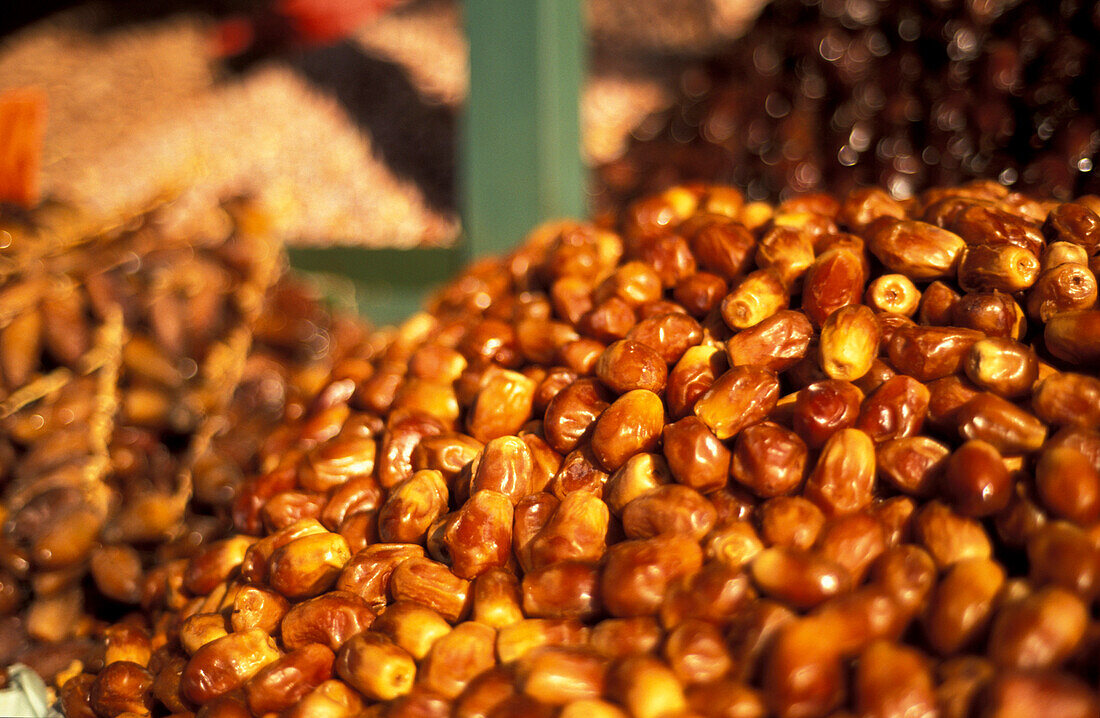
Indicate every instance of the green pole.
{"type": "Point", "coordinates": [520, 156]}
{"type": "Point", "coordinates": [520, 153]}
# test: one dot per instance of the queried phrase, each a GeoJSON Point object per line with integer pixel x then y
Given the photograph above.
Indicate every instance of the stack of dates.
{"type": "Point", "coordinates": [118, 355]}
{"type": "Point", "coordinates": [906, 94]}
{"type": "Point", "coordinates": [834, 457]}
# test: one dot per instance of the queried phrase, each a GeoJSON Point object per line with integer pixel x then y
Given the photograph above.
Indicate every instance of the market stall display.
{"type": "Point", "coordinates": [718, 457]}
{"type": "Point", "coordinates": [736, 447]}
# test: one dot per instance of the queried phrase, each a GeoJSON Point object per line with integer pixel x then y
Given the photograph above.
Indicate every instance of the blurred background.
{"type": "Point", "coordinates": [347, 108]}
{"type": "Point", "coordinates": [345, 116]}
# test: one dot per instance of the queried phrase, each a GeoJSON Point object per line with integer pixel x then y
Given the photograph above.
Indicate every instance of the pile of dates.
{"type": "Point", "coordinates": [838, 456]}
{"type": "Point", "coordinates": [124, 360]}
{"type": "Point", "coordinates": [832, 94]}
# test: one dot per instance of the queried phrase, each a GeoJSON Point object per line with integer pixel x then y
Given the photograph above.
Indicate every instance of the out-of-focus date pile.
{"type": "Point", "coordinates": [907, 95]}
{"type": "Point", "coordinates": [119, 355]}
{"type": "Point", "coordinates": [725, 459]}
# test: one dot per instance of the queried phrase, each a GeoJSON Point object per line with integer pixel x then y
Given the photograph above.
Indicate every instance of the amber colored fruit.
{"type": "Point", "coordinates": [835, 279]}
{"type": "Point", "coordinates": [1074, 337]}
{"type": "Point", "coordinates": [916, 249]}
{"type": "Point", "coordinates": [225, 664]}
{"type": "Point", "coordinates": [849, 342]}
{"type": "Point", "coordinates": [631, 425]}
{"type": "Point", "coordinates": [769, 460]}
{"type": "Point", "coordinates": [695, 456]}
{"type": "Point", "coordinates": [739, 398]}
{"type": "Point", "coordinates": [844, 477]}
{"type": "Point", "coordinates": [893, 293]}
{"type": "Point", "coordinates": [754, 299]}
{"type": "Point", "coordinates": [627, 365]}
{"type": "Point", "coordinates": [976, 480]}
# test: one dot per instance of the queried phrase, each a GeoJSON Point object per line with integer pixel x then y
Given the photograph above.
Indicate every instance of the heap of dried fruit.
{"type": "Point", "coordinates": [831, 457]}
{"type": "Point", "coordinates": [119, 354]}
{"type": "Point", "coordinates": [909, 94]}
